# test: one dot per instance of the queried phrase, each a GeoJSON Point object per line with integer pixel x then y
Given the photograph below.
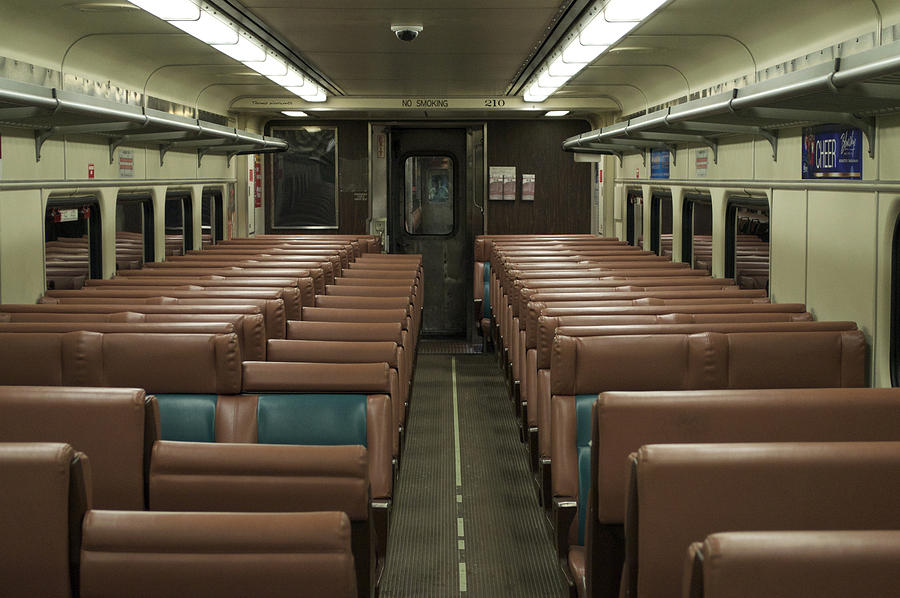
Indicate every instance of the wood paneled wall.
{"type": "Point", "coordinates": [562, 196]}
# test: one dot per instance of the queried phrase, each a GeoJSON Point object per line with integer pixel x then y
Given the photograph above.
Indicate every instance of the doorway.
{"type": "Point", "coordinates": [429, 212]}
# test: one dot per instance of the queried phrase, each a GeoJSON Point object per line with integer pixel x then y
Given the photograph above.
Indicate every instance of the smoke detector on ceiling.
{"type": "Point", "coordinates": [407, 33]}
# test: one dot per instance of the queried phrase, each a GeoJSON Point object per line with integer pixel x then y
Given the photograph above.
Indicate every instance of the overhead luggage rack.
{"type": "Point", "coordinates": [53, 113]}
{"type": "Point", "coordinates": [850, 90]}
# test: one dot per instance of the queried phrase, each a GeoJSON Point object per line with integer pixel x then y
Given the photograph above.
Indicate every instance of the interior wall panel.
{"type": "Point", "coordinates": [841, 260]}
{"type": "Point", "coordinates": [787, 245]}
{"type": "Point", "coordinates": [562, 198]}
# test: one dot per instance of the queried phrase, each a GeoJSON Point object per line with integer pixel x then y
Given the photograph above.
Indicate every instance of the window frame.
{"type": "Point", "coordinates": [687, 224]}
{"type": "Point", "coordinates": [148, 232]}
{"type": "Point", "coordinates": [94, 230]}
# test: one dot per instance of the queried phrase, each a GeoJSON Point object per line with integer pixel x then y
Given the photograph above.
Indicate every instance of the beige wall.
{"type": "Point", "coordinates": [830, 242]}
{"type": "Point", "coordinates": [27, 183]}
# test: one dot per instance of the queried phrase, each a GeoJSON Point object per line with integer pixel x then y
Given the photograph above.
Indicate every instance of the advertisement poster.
{"type": "Point", "coordinates": [502, 183]}
{"type": "Point", "coordinates": [659, 164]}
{"type": "Point", "coordinates": [832, 152]}
{"type": "Point", "coordinates": [528, 187]}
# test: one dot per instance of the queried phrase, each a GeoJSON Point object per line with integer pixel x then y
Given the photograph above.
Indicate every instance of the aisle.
{"type": "Point", "coordinates": [484, 537]}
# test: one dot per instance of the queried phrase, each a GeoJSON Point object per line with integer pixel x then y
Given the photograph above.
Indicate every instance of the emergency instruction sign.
{"type": "Point", "coordinates": [832, 152]}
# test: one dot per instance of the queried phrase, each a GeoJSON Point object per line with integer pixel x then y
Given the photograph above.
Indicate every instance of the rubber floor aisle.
{"type": "Point", "coordinates": [483, 537]}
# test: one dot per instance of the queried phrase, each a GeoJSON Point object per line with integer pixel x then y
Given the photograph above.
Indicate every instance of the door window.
{"type": "Point", "coordinates": [429, 195]}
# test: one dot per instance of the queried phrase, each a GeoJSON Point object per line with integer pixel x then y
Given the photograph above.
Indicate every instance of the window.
{"type": "Point", "coordinates": [696, 232]}
{"type": "Point", "coordinates": [134, 231]}
{"type": "Point", "coordinates": [179, 223]}
{"type": "Point", "coordinates": [72, 242]}
{"type": "Point", "coordinates": [634, 218]}
{"type": "Point", "coordinates": [429, 197]}
{"type": "Point", "coordinates": [661, 224]}
{"type": "Point", "coordinates": [747, 242]}
{"type": "Point", "coordinates": [305, 179]}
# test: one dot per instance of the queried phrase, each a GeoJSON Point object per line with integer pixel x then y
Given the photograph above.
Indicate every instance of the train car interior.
{"type": "Point", "coordinates": [496, 298]}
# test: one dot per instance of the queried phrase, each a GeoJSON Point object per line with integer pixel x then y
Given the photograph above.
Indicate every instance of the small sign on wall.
{"type": "Point", "coordinates": [126, 163]}
{"type": "Point", "coordinates": [528, 187]}
{"type": "Point", "coordinates": [701, 163]}
{"type": "Point", "coordinates": [832, 152]}
{"type": "Point", "coordinates": [90, 171]}
{"type": "Point", "coordinates": [257, 183]}
{"type": "Point", "coordinates": [502, 183]}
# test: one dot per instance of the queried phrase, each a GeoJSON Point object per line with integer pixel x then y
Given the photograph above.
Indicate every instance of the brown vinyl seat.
{"type": "Point", "coordinates": [316, 275]}
{"type": "Point", "coordinates": [251, 267]}
{"type": "Point", "coordinates": [290, 298]}
{"type": "Point", "coordinates": [54, 545]}
{"type": "Point", "coordinates": [253, 346]}
{"type": "Point", "coordinates": [273, 309]}
{"type": "Point", "coordinates": [303, 286]}
{"type": "Point", "coordinates": [336, 351]}
{"type": "Point", "coordinates": [694, 490]}
{"type": "Point", "coordinates": [622, 422]}
{"type": "Point", "coordinates": [157, 362]}
{"type": "Point", "coordinates": [581, 367]}
{"type": "Point", "coordinates": [818, 564]}
{"type": "Point", "coordinates": [252, 317]}
{"type": "Point", "coordinates": [43, 501]}
{"type": "Point", "coordinates": [269, 555]}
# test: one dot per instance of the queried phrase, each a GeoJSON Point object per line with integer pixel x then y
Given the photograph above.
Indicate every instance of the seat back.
{"type": "Point", "coordinates": [625, 421]}
{"type": "Point", "coordinates": [115, 427]}
{"type": "Point", "coordinates": [793, 565]}
{"type": "Point", "coordinates": [173, 362]}
{"type": "Point", "coordinates": [44, 498]}
{"type": "Point", "coordinates": [217, 555]}
{"type": "Point", "coordinates": [693, 490]}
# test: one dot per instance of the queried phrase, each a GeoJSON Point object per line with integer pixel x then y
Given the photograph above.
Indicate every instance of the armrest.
{"type": "Point", "coordinates": [564, 511]}
{"type": "Point", "coordinates": [125, 553]}
{"type": "Point", "coordinates": [196, 476]}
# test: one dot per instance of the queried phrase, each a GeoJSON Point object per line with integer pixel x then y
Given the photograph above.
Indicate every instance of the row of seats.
{"type": "Point", "coordinates": [575, 318]}
{"type": "Point", "coordinates": [270, 372]}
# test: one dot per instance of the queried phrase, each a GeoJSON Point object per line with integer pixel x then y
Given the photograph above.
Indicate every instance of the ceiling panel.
{"type": "Point", "coordinates": [493, 42]}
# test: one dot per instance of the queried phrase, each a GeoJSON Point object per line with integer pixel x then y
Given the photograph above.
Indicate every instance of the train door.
{"type": "Point", "coordinates": [428, 215]}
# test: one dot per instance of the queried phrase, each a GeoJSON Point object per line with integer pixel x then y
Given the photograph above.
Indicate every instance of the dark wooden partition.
{"type": "Point", "coordinates": [562, 198]}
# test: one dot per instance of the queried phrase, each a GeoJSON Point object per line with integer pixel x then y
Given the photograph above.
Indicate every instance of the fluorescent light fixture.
{"type": "Point", "coordinates": [576, 51]}
{"type": "Point", "coordinates": [561, 68]}
{"type": "Point", "coordinates": [209, 29]}
{"type": "Point", "coordinates": [294, 80]}
{"type": "Point", "coordinates": [535, 93]}
{"type": "Point", "coordinates": [557, 113]}
{"type": "Point", "coordinates": [272, 66]}
{"type": "Point", "coordinates": [548, 81]}
{"type": "Point", "coordinates": [170, 10]}
{"type": "Point", "coordinates": [294, 113]}
{"type": "Point", "coordinates": [245, 50]}
{"type": "Point", "coordinates": [602, 32]}
{"type": "Point", "coordinates": [631, 10]}
{"type": "Point", "coordinates": [319, 96]}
